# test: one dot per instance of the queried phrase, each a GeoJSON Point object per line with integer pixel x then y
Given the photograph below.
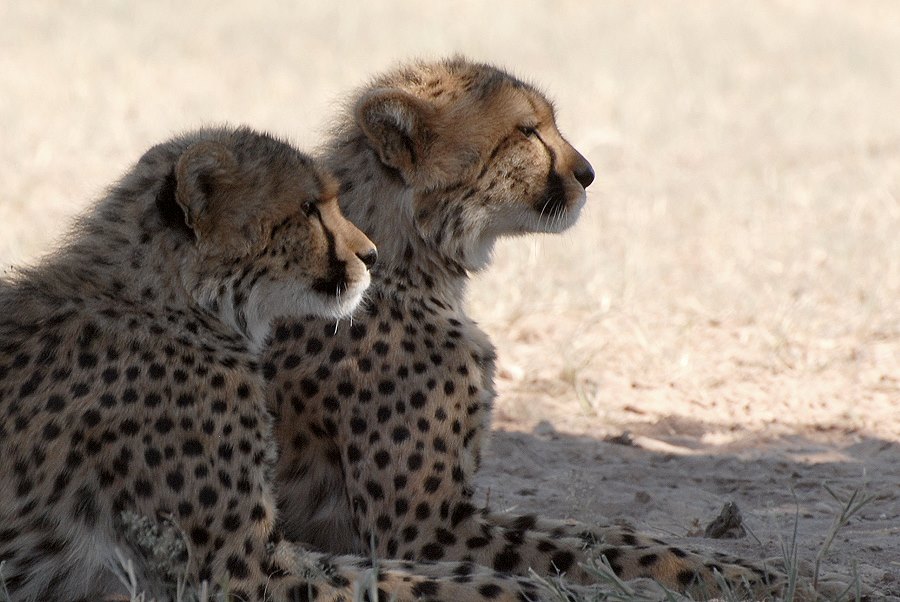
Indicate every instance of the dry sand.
{"type": "Point", "coordinates": [731, 297]}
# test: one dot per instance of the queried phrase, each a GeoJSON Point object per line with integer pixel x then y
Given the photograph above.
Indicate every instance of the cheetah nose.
{"type": "Point", "coordinates": [369, 257]}
{"type": "Point", "coordinates": [584, 174]}
{"type": "Point", "coordinates": [581, 169]}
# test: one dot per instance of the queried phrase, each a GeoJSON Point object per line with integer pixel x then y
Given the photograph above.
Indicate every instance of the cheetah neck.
{"type": "Point", "coordinates": [110, 256]}
{"type": "Point", "coordinates": [225, 297]}
{"type": "Point", "coordinates": [119, 257]}
{"type": "Point", "coordinates": [380, 204]}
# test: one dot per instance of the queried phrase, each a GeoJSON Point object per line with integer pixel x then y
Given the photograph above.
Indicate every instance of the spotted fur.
{"type": "Point", "coordinates": [381, 420]}
{"type": "Point", "coordinates": [129, 378]}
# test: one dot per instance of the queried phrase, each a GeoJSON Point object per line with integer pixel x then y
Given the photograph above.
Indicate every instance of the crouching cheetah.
{"type": "Point", "coordinates": [129, 378]}
{"type": "Point", "coordinates": [380, 420]}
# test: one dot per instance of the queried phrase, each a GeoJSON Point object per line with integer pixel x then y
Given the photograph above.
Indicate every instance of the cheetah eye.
{"type": "Point", "coordinates": [310, 209]}
{"type": "Point", "coordinates": [528, 130]}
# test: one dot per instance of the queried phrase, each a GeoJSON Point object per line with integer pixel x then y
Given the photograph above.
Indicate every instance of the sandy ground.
{"type": "Point", "coordinates": [731, 297]}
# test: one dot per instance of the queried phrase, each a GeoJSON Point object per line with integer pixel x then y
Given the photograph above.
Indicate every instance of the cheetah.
{"type": "Point", "coordinates": [381, 420]}
{"type": "Point", "coordinates": [130, 379]}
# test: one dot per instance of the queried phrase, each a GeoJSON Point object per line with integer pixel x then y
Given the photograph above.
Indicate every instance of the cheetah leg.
{"type": "Point", "coordinates": [447, 527]}
{"type": "Point", "coordinates": [294, 573]}
{"type": "Point", "coordinates": [633, 554]}
{"type": "Point", "coordinates": [408, 581]}
{"type": "Point", "coordinates": [258, 565]}
{"type": "Point", "coordinates": [434, 520]}
{"type": "Point", "coordinates": [555, 528]}
{"type": "Point", "coordinates": [289, 572]}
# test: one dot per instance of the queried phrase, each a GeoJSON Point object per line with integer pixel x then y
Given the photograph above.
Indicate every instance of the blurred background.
{"type": "Point", "coordinates": [724, 321]}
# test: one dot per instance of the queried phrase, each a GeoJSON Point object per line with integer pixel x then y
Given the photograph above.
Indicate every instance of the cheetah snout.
{"type": "Point", "coordinates": [369, 257]}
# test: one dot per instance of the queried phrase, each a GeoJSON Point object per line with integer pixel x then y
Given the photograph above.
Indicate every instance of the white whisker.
{"type": "Point", "coordinates": [337, 294]}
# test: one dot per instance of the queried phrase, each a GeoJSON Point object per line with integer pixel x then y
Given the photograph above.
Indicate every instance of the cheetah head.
{"type": "Point", "coordinates": [263, 235]}
{"type": "Point", "coordinates": [480, 151]}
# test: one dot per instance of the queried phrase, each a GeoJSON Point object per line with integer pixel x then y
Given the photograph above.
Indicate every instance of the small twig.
{"type": "Point", "coordinates": [790, 554]}
{"type": "Point", "coordinates": [849, 508]}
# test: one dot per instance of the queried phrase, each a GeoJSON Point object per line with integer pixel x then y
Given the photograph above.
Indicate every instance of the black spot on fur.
{"type": "Point", "coordinates": [237, 567]}
{"type": "Point", "coordinates": [506, 560]}
{"type": "Point", "coordinates": [490, 590]}
{"type": "Point", "coordinates": [686, 577]}
{"type": "Point", "coordinates": [562, 560]}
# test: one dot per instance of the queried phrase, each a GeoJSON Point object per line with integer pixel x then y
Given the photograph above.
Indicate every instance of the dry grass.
{"type": "Point", "coordinates": [731, 293]}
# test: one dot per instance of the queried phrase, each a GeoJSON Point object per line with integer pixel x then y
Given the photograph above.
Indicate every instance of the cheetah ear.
{"type": "Point", "coordinates": [397, 126]}
{"type": "Point", "coordinates": [202, 172]}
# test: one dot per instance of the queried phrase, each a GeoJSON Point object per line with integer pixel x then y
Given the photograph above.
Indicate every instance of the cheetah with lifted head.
{"type": "Point", "coordinates": [129, 381]}
{"type": "Point", "coordinates": [381, 420]}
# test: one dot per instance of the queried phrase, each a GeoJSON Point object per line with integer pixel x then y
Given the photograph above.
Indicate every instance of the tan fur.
{"type": "Point", "coordinates": [128, 376]}
{"type": "Point", "coordinates": [129, 382]}
{"type": "Point", "coordinates": [381, 429]}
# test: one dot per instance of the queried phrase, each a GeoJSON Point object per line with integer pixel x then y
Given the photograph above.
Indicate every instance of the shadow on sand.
{"type": "Point", "coordinates": [666, 482]}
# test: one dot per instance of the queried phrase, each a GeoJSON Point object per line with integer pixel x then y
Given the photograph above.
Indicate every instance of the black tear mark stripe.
{"type": "Point", "coordinates": [549, 150]}
{"type": "Point", "coordinates": [553, 200]}
{"type": "Point", "coordinates": [335, 280]}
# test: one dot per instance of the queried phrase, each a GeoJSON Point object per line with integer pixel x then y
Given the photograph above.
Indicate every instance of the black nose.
{"type": "Point", "coordinates": [584, 174]}
{"type": "Point", "coordinates": [369, 257]}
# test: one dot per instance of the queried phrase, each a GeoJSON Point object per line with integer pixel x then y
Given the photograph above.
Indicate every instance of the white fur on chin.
{"type": "Point", "coordinates": [270, 301]}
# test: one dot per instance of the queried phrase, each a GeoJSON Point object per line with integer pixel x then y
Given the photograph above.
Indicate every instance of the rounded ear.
{"type": "Point", "coordinates": [397, 125]}
{"type": "Point", "coordinates": [202, 169]}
